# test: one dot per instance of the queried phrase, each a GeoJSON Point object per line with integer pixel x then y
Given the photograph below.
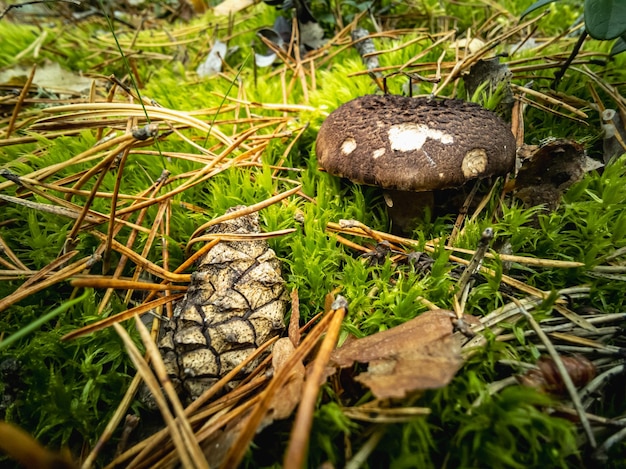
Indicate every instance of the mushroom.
{"type": "Point", "coordinates": [408, 145]}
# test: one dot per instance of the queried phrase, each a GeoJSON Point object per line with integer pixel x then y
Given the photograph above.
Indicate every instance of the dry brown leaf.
{"type": "Point", "coordinates": [288, 396]}
{"type": "Point", "coordinates": [216, 447]}
{"type": "Point", "coordinates": [548, 170]}
{"type": "Point", "coordinates": [419, 354]}
{"type": "Point", "coordinates": [50, 76]}
{"type": "Point", "coordinates": [431, 366]}
{"type": "Point", "coordinates": [546, 376]}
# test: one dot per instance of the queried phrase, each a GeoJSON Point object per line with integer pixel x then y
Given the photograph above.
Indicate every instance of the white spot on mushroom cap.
{"type": "Point", "coordinates": [474, 162]}
{"type": "Point", "coordinates": [409, 137]}
{"type": "Point", "coordinates": [378, 153]}
{"type": "Point", "coordinates": [348, 146]}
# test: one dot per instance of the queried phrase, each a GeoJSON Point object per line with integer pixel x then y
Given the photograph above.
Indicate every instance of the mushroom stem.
{"type": "Point", "coordinates": [404, 207]}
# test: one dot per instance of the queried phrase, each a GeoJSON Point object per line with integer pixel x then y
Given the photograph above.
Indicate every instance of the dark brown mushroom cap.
{"type": "Point", "coordinates": [414, 144]}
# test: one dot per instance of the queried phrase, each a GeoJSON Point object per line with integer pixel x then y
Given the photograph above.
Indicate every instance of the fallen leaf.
{"type": "Point", "coordinates": [486, 71]}
{"type": "Point", "coordinates": [212, 65]}
{"type": "Point", "coordinates": [287, 398]}
{"type": "Point", "coordinates": [228, 7]}
{"type": "Point", "coordinates": [263, 61]}
{"type": "Point", "coordinates": [49, 76]}
{"type": "Point", "coordinates": [217, 445]}
{"type": "Point", "coordinates": [265, 56]}
{"type": "Point", "coordinates": [547, 171]}
{"type": "Point", "coordinates": [419, 354]}
{"type": "Point", "coordinates": [496, 76]}
{"type": "Point", "coordinates": [312, 35]}
{"type": "Point", "coordinates": [546, 376]}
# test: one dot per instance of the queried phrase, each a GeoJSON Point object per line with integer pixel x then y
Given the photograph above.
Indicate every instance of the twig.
{"type": "Point", "coordinates": [239, 213]}
{"type": "Point", "coordinates": [107, 433]}
{"type": "Point", "coordinates": [124, 315]}
{"type": "Point", "coordinates": [191, 445]}
{"type": "Point", "coordinates": [561, 72]}
{"type": "Point", "coordinates": [600, 380]}
{"type": "Point", "coordinates": [20, 5]}
{"type": "Point", "coordinates": [144, 370]}
{"type": "Point", "coordinates": [601, 454]}
{"type": "Point", "coordinates": [472, 268]}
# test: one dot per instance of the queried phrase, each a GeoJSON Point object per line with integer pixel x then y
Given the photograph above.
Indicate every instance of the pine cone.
{"type": "Point", "coordinates": [236, 302]}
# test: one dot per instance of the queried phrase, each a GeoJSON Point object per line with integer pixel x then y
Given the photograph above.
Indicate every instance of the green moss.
{"type": "Point", "coordinates": [65, 392]}
{"type": "Point", "coordinates": [511, 430]}
{"type": "Point", "coordinates": [22, 37]}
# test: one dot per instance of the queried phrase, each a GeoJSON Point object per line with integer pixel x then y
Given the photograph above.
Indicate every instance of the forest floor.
{"type": "Point", "coordinates": [127, 134]}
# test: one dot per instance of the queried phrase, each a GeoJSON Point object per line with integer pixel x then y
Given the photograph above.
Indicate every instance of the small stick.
{"type": "Point", "coordinates": [107, 433]}
{"type": "Point", "coordinates": [20, 5]}
{"type": "Point", "coordinates": [143, 368]}
{"type": "Point", "coordinates": [549, 99]}
{"type": "Point", "coordinates": [122, 284]}
{"type": "Point", "coordinates": [61, 275]}
{"type": "Point", "coordinates": [182, 423]}
{"type": "Point", "coordinates": [602, 379]}
{"type": "Point", "coordinates": [6, 250]}
{"type": "Point", "coordinates": [362, 226]}
{"type": "Point", "coordinates": [601, 454]}
{"type": "Point", "coordinates": [239, 213]}
{"type": "Point", "coordinates": [294, 320]}
{"type": "Point", "coordinates": [141, 261]}
{"type": "Point", "coordinates": [561, 72]}
{"type": "Point", "coordinates": [130, 423]}
{"type": "Point", "coordinates": [117, 318]}
{"type": "Point", "coordinates": [473, 267]}
{"type": "Point", "coordinates": [47, 270]}
{"type": "Point", "coordinates": [367, 50]}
